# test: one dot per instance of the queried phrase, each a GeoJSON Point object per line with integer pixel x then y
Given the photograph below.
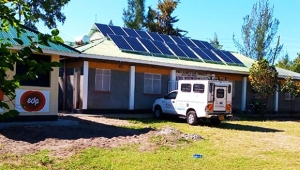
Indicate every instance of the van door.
{"type": "Point", "coordinates": [220, 96]}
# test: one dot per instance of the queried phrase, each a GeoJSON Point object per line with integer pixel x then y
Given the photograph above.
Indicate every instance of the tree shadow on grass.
{"type": "Point", "coordinates": [34, 133]}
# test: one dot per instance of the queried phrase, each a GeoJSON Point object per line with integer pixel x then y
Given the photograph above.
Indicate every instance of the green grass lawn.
{"type": "Point", "coordinates": [232, 145]}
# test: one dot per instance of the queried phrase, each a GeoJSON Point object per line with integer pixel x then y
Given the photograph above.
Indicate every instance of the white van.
{"type": "Point", "coordinates": [197, 99]}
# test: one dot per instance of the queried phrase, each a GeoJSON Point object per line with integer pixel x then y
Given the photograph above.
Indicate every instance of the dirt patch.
{"type": "Point", "coordinates": [63, 141]}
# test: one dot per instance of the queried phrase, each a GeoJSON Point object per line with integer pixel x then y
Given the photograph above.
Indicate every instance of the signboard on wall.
{"type": "Point", "coordinates": [32, 100]}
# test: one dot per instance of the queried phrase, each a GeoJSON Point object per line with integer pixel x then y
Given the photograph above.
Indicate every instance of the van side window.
{"type": "Point", "coordinates": [229, 88]}
{"type": "Point", "coordinates": [186, 87]}
{"type": "Point", "coordinates": [198, 88]}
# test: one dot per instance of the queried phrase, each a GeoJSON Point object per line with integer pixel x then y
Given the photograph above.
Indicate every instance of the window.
{"type": "Point", "coordinates": [229, 89]}
{"type": "Point", "coordinates": [102, 80]}
{"type": "Point", "coordinates": [171, 95]}
{"type": "Point", "coordinates": [152, 83]}
{"type": "Point", "coordinates": [186, 87]}
{"type": "Point", "coordinates": [220, 93]}
{"type": "Point", "coordinates": [289, 96]}
{"type": "Point", "coordinates": [42, 79]}
{"type": "Point", "coordinates": [198, 88]}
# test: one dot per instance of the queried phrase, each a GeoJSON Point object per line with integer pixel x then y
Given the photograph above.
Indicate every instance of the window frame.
{"type": "Point", "coordinates": [289, 96]}
{"type": "Point", "coordinates": [201, 88]}
{"type": "Point", "coordinates": [186, 87]}
{"type": "Point", "coordinates": [102, 75]}
{"type": "Point", "coordinates": [153, 78]}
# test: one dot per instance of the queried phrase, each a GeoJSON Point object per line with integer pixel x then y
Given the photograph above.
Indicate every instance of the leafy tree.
{"type": "Point", "coordinates": [292, 87]}
{"type": "Point", "coordinates": [165, 20]}
{"type": "Point", "coordinates": [215, 42]}
{"type": "Point", "coordinates": [258, 31]}
{"type": "Point", "coordinates": [285, 62]}
{"type": "Point", "coordinates": [9, 58]}
{"type": "Point", "coordinates": [296, 64]}
{"type": "Point", "coordinates": [134, 16]}
{"type": "Point", "coordinates": [47, 11]}
{"type": "Point", "coordinates": [263, 78]}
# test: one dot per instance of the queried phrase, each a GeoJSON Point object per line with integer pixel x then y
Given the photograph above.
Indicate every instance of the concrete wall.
{"type": "Point", "coordinates": [118, 96]}
{"type": "Point", "coordinates": [144, 101]}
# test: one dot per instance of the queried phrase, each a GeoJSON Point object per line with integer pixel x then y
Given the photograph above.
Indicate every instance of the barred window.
{"type": "Point", "coordinates": [152, 83]}
{"type": "Point", "coordinates": [102, 80]}
{"type": "Point", "coordinates": [186, 87]}
{"type": "Point", "coordinates": [198, 88]}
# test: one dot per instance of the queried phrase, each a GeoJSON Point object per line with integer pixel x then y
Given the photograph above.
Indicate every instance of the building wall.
{"type": "Point", "coordinates": [53, 90]}
{"type": "Point", "coordinates": [118, 96]}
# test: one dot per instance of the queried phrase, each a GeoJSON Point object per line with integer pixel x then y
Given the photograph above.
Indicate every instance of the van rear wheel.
{"type": "Point", "coordinates": [191, 118]}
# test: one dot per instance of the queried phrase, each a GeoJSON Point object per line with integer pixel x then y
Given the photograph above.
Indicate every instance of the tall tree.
{"type": "Point", "coordinates": [258, 31]}
{"type": "Point", "coordinates": [47, 11]}
{"type": "Point", "coordinates": [285, 62]}
{"type": "Point", "coordinates": [263, 79]}
{"type": "Point", "coordinates": [165, 20]}
{"type": "Point", "coordinates": [215, 42]}
{"type": "Point", "coordinates": [9, 58]}
{"type": "Point", "coordinates": [134, 15]}
{"type": "Point", "coordinates": [110, 23]}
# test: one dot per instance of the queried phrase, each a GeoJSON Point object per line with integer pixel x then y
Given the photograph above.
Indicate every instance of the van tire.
{"type": "Point", "coordinates": [158, 112]}
{"type": "Point", "coordinates": [191, 118]}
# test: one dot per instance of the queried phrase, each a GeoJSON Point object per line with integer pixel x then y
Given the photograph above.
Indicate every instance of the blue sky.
{"type": "Point", "coordinates": [201, 18]}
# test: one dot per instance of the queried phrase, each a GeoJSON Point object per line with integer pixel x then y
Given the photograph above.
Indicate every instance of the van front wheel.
{"type": "Point", "coordinates": [191, 118]}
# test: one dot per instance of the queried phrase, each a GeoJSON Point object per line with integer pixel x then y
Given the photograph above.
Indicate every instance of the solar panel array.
{"type": "Point", "coordinates": [165, 45]}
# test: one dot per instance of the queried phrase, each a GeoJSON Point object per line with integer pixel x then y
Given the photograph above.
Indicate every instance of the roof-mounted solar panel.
{"type": "Point", "coordinates": [120, 42]}
{"type": "Point", "coordinates": [143, 34]}
{"type": "Point", "coordinates": [207, 45]}
{"type": "Point", "coordinates": [104, 29]}
{"type": "Point", "coordinates": [131, 32]}
{"type": "Point", "coordinates": [188, 42]}
{"type": "Point", "coordinates": [232, 57]}
{"type": "Point", "coordinates": [199, 44]}
{"type": "Point", "coordinates": [118, 30]}
{"type": "Point", "coordinates": [188, 51]}
{"type": "Point", "coordinates": [223, 56]}
{"type": "Point", "coordinates": [166, 38]}
{"type": "Point", "coordinates": [150, 46]}
{"type": "Point", "coordinates": [135, 44]}
{"type": "Point", "coordinates": [211, 55]}
{"type": "Point", "coordinates": [178, 52]}
{"type": "Point", "coordinates": [155, 36]}
{"type": "Point", "coordinates": [178, 40]}
{"type": "Point", "coordinates": [163, 48]}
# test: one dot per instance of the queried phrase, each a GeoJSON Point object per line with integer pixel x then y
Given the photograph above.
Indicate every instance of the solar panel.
{"type": "Point", "coordinates": [117, 30]}
{"type": "Point", "coordinates": [223, 56]}
{"type": "Point", "coordinates": [131, 32]}
{"type": "Point", "coordinates": [150, 46]}
{"type": "Point", "coordinates": [188, 42]}
{"type": "Point", "coordinates": [232, 57]}
{"type": "Point", "coordinates": [135, 44]}
{"type": "Point", "coordinates": [104, 29]}
{"type": "Point", "coordinates": [155, 36]}
{"type": "Point", "coordinates": [166, 38]}
{"type": "Point", "coordinates": [201, 54]}
{"type": "Point", "coordinates": [207, 45]}
{"type": "Point", "coordinates": [162, 47]}
{"type": "Point", "coordinates": [120, 42]}
{"type": "Point", "coordinates": [211, 55]}
{"type": "Point", "coordinates": [199, 44]}
{"type": "Point", "coordinates": [178, 40]}
{"type": "Point", "coordinates": [143, 34]}
{"type": "Point", "coordinates": [176, 49]}
{"type": "Point", "coordinates": [188, 51]}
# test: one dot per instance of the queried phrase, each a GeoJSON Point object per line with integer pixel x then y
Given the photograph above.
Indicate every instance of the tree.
{"type": "Point", "coordinates": [9, 58]}
{"type": "Point", "coordinates": [296, 64]}
{"type": "Point", "coordinates": [111, 23]}
{"type": "Point", "coordinates": [292, 87]}
{"type": "Point", "coordinates": [47, 11]}
{"type": "Point", "coordinates": [285, 62]}
{"type": "Point", "coordinates": [263, 79]}
{"type": "Point", "coordinates": [258, 31]}
{"type": "Point", "coordinates": [134, 16]}
{"type": "Point", "coordinates": [215, 42]}
{"type": "Point", "coordinates": [165, 20]}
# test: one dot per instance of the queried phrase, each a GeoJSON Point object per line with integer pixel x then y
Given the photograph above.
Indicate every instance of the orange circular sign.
{"type": "Point", "coordinates": [32, 101]}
